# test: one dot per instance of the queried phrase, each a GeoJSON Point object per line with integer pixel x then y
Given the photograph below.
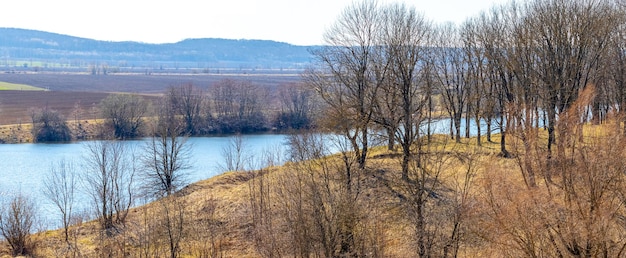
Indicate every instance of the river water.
{"type": "Point", "coordinates": [23, 166]}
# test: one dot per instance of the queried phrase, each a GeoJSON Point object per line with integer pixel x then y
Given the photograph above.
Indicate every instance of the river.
{"type": "Point", "coordinates": [24, 166]}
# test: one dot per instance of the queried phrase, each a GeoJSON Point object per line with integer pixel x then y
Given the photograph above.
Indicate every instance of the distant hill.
{"type": "Point", "coordinates": [21, 48]}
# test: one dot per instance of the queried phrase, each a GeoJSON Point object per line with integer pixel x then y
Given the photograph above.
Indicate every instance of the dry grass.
{"type": "Point", "coordinates": [22, 133]}
{"type": "Point", "coordinates": [229, 193]}
{"type": "Point", "coordinates": [226, 200]}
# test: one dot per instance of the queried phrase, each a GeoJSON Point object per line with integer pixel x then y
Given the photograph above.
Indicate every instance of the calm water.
{"type": "Point", "coordinates": [24, 166]}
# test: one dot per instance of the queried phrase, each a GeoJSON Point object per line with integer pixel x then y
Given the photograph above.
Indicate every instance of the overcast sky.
{"type": "Point", "coordinates": [300, 22]}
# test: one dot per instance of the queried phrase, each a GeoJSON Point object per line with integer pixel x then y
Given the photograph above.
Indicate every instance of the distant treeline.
{"type": "Point", "coordinates": [55, 49]}
{"type": "Point", "coordinates": [227, 107]}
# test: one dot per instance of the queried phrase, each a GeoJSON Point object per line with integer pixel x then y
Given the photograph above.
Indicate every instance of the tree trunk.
{"type": "Point", "coordinates": [452, 119]}
{"type": "Point", "coordinates": [391, 138]}
{"type": "Point", "coordinates": [457, 127]}
{"type": "Point", "coordinates": [467, 124]}
{"type": "Point", "coordinates": [551, 125]}
{"type": "Point", "coordinates": [488, 129]}
{"type": "Point", "coordinates": [503, 150]}
{"type": "Point", "coordinates": [478, 135]}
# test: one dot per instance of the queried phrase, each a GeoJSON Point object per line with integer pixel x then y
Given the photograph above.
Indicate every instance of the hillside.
{"type": "Point", "coordinates": [219, 213]}
{"type": "Point", "coordinates": [472, 203]}
{"type": "Point", "coordinates": [51, 49]}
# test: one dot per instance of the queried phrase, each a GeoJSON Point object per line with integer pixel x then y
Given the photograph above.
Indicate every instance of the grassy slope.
{"type": "Point", "coordinates": [230, 194]}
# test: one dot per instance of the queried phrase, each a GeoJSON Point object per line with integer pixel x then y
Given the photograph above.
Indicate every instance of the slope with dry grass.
{"type": "Point", "coordinates": [218, 211]}
{"type": "Point", "coordinates": [477, 204]}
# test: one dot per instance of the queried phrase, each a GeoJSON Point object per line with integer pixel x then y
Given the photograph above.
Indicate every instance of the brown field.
{"type": "Point", "coordinates": [135, 83]}
{"type": "Point", "coordinates": [66, 91]}
{"type": "Point", "coordinates": [16, 106]}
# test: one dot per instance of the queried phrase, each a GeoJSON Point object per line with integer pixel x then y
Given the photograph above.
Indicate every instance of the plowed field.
{"type": "Point", "coordinates": [77, 95]}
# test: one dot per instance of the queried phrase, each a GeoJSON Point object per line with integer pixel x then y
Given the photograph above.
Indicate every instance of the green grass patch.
{"type": "Point", "coordinates": [15, 86]}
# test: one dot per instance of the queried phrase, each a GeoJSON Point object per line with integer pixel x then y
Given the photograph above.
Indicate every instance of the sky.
{"type": "Point", "coordinates": [298, 22]}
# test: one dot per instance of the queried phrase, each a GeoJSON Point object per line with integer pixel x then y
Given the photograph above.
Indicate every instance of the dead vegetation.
{"type": "Point", "coordinates": [474, 203]}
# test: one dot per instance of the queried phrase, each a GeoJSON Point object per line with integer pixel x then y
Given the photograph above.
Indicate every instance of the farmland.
{"type": "Point", "coordinates": [69, 92]}
{"type": "Point", "coordinates": [20, 87]}
{"type": "Point", "coordinates": [135, 83]}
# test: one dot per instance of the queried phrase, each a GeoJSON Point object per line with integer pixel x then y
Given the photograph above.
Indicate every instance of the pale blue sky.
{"type": "Point", "coordinates": [300, 22]}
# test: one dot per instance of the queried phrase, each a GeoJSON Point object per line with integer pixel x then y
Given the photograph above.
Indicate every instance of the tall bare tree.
{"type": "Point", "coordinates": [405, 34]}
{"type": "Point", "coordinates": [166, 155]}
{"type": "Point", "coordinates": [569, 37]}
{"type": "Point", "coordinates": [188, 102]}
{"type": "Point", "coordinates": [60, 187]}
{"type": "Point", "coordinates": [109, 180]}
{"type": "Point", "coordinates": [238, 106]}
{"type": "Point", "coordinates": [493, 36]}
{"type": "Point", "coordinates": [616, 72]}
{"type": "Point", "coordinates": [481, 98]}
{"type": "Point", "coordinates": [124, 114]}
{"type": "Point", "coordinates": [452, 74]}
{"type": "Point", "coordinates": [349, 74]}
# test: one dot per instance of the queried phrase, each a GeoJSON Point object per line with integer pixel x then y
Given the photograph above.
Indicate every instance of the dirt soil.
{"type": "Point", "coordinates": [16, 107]}
{"type": "Point", "coordinates": [135, 83]}
{"type": "Point", "coordinates": [76, 95]}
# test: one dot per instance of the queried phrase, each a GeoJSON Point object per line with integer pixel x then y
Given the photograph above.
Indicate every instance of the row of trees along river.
{"type": "Point", "coordinates": [542, 67]}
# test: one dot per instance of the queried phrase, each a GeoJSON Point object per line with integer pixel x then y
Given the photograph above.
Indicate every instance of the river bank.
{"type": "Point", "coordinates": [22, 133]}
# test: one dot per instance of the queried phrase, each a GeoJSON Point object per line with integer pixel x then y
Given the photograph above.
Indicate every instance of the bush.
{"type": "Point", "coordinates": [50, 126]}
{"type": "Point", "coordinates": [124, 114]}
{"type": "Point", "coordinates": [16, 222]}
{"type": "Point", "coordinates": [286, 121]}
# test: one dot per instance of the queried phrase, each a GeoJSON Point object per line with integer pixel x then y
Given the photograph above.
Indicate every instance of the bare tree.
{"type": "Point", "coordinates": [238, 106]}
{"type": "Point", "coordinates": [452, 75]}
{"type": "Point", "coordinates": [109, 180]}
{"type": "Point", "coordinates": [124, 114]}
{"type": "Point", "coordinates": [405, 33]}
{"type": "Point", "coordinates": [60, 187]}
{"type": "Point", "coordinates": [493, 35]}
{"type": "Point", "coordinates": [297, 109]}
{"type": "Point", "coordinates": [166, 155]}
{"type": "Point", "coordinates": [266, 230]}
{"type": "Point", "coordinates": [569, 38]}
{"type": "Point", "coordinates": [321, 213]}
{"type": "Point", "coordinates": [235, 155]}
{"type": "Point", "coordinates": [481, 99]}
{"type": "Point", "coordinates": [174, 224]}
{"type": "Point", "coordinates": [386, 111]}
{"type": "Point", "coordinates": [188, 102]}
{"type": "Point", "coordinates": [616, 77]}
{"type": "Point", "coordinates": [50, 126]}
{"type": "Point", "coordinates": [349, 74]}
{"type": "Point", "coordinates": [17, 218]}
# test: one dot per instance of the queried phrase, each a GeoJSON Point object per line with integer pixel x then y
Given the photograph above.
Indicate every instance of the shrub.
{"type": "Point", "coordinates": [16, 222]}
{"type": "Point", "coordinates": [50, 126]}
